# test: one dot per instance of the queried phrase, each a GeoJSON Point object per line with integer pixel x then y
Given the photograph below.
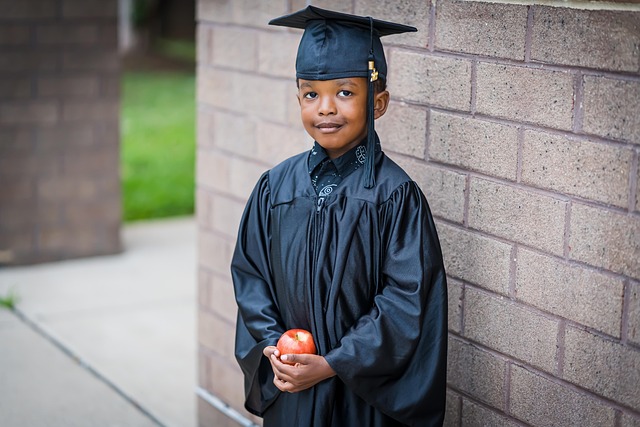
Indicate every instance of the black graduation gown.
{"type": "Point", "coordinates": [364, 274]}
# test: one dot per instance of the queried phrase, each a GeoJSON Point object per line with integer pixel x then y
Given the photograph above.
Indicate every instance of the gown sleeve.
{"type": "Point", "coordinates": [394, 357]}
{"type": "Point", "coordinates": [258, 324]}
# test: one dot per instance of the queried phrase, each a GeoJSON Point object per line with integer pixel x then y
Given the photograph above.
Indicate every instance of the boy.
{"type": "Point", "coordinates": [340, 241]}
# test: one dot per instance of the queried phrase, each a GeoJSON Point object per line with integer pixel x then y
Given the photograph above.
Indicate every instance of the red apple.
{"type": "Point", "coordinates": [296, 341]}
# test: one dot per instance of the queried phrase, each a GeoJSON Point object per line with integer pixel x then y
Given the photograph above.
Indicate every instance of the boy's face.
{"type": "Point", "coordinates": [334, 112]}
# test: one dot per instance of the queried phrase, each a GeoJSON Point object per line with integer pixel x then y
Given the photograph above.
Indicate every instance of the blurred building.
{"type": "Point", "coordinates": [59, 130]}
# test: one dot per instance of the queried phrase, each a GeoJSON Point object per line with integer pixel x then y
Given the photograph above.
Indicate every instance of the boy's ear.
{"type": "Point", "coordinates": [380, 104]}
{"type": "Point", "coordinates": [298, 97]}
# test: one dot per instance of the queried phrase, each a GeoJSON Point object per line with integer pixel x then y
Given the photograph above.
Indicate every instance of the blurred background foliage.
{"type": "Point", "coordinates": [158, 113]}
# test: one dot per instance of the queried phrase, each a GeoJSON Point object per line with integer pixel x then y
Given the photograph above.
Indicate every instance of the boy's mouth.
{"type": "Point", "coordinates": [328, 127]}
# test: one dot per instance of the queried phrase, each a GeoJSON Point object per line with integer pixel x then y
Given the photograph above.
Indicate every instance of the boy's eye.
{"type": "Point", "coordinates": [345, 93]}
{"type": "Point", "coordinates": [310, 95]}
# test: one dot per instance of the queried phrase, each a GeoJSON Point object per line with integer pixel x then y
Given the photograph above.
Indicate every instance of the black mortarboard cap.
{"type": "Point", "coordinates": [335, 45]}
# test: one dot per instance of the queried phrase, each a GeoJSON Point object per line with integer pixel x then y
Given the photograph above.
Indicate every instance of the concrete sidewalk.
{"type": "Point", "coordinates": [108, 341]}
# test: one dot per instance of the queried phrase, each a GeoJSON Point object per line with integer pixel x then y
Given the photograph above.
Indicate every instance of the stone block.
{"type": "Point", "coordinates": [276, 143]}
{"type": "Point", "coordinates": [610, 108]}
{"type": "Point", "coordinates": [453, 409]}
{"type": "Point", "coordinates": [474, 415]}
{"type": "Point", "coordinates": [89, 9]}
{"type": "Point", "coordinates": [524, 94]}
{"type": "Point", "coordinates": [227, 383]}
{"type": "Point", "coordinates": [212, 170]}
{"type": "Point", "coordinates": [79, 60]}
{"type": "Point", "coordinates": [605, 367]}
{"type": "Point", "coordinates": [215, 251]}
{"type": "Point", "coordinates": [244, 176]}
{"type": "Point", "coordinates": [65, 34]}
{"type": "Point", "coordinates": [337, 5]}
{"type": "Point", "coordinates": [587, 169]}
{"type": "Point", "coordinates": [525, 217]}
{"type": "Point", "coordinates": [15, 142]}
{"type": "Point", "coordinates": [244, 12]}
{"type": "Point", "coordinates": [219, 11]}
{"type": "Point", "coordinates": [29, 112]}
{"type": "Point", "coordinates": [27, 9]}
{"type": "Point", "coordinates": [476, 373]}
{"type": "Point", "coordinates": [28, 61]}
{"type": "Point", "coordinates": [234, 47]}
{"type": "Point", "coordinates": [203, 43]}
{"type": "Point", "coordinates": [541, 402]}
{"type": "Point", "coordinates": [403, 129]}
{"type": "Point", "coordinates": [629, 421]}
{"type": "Point", "coordinates": [606, 239]}
{"type": "Point", "coordinates": [226, 213]}
{"type": "Point", "coordinates": [76, 86]}
{"type": "Point", "coordinates": [408, 12]}
{"type": "Point", "coordinates": [510, 328]}
{"type": "Point", "coordinates": [216, 334]}
{"type": "Point", "coordinates": [222, 298]}
{"type": "Point", "coordinates": [53, 140]}
{"type": "Point", "coordinates": [479, 28]}
{"type": "Point", "coordinates": [14, 35]}
{"type": "Point", "coordinates": [15, 88]}
{"type": "Point", "coordinates": [433, 80]}
{"type": "Point", "coordinates": [277, 52]}
{"type": "Point", "coordinates": [208, 416]}
{"type": "Point", "coordinates": [87, 111]}
{"type": "Point", "coordinates": [454, 293]}
{"type": "Point", "coordinates": [444, 189]}
{"type": "Point", "coordinates": [633, 326]}
{"type": "Point", "coordinates": [486, 147]}
{"type": "Point", "coordinates": [570, 291]}
{"type": "Point", "coordinates": [476, 259]}
{"type": "Point", "coordinates": [597, 39]}
{"type": "Point", "coordinates": [235, 133]}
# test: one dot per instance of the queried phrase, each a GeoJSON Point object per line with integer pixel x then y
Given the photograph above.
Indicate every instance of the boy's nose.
{"type": "Point", "coordinates": [327, 106]}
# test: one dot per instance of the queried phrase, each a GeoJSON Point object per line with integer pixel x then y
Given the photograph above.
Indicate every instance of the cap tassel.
{"type": "Point", "coordinates": [369, 163]}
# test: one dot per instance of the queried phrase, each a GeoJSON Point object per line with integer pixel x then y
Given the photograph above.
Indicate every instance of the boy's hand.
{"type": "Point", "coordinates": [307, 370]}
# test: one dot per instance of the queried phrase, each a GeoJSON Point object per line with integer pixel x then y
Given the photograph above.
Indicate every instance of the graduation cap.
{"type": "Point", "coordinates": [336, 45]}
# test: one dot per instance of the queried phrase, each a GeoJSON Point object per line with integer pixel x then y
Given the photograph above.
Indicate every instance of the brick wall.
{"type": "Point", "coordinates": [521, 125]}
{"type": "Point", "coordinates": [59, 137]}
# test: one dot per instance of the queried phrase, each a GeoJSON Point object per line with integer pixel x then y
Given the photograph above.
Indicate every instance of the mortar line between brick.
{"type": "Point", "coordinates": [528, 34]}
{"type": "Point", "coordinates": [519, 155]}
{"type": "Point", "coordinates": [461, 402]}
{"type": "Point", "coordinates": [431, 40]}
{"type": "Point", "coordinates": [427, 136]}
{"type": "Point", "coordinates": [562, 328]}
{"type": "Point", "coordinates": [633, 181]}
{"type": "Point", "coordinates": [567, 230]}
{"type": "Point", "coordinates": [220, 358]}
{"type": "Point", "coordinates": [467, 197]}
{"type": "Point", "coordinates": [462, 305]}
{"type": "Point", "coordinates": [513, 257]}
{"type": "Point", "coordinates": [624, 329]}
{"type": "Point", "coordinates": [617, 418]}
{"type": "Point", "coordinates": [474, 89]}
{"type": "Point", "coordinates": [578, 96]}
{"type": "Point", "coordinates": [507, 388]}
{"type": "Point", "coordinates": [548, 376]}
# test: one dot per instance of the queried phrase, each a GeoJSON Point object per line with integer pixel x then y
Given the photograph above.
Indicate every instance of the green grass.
{"type": "Point", "coordinates": [158, 144]}
{"type": "Point", "coordinates": [9, 300]}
